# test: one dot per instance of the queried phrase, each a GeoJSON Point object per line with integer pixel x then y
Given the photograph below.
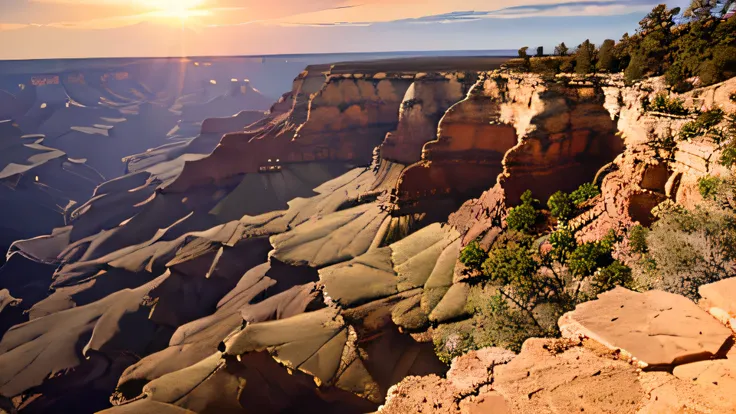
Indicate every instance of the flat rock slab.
{"type": "Point", "coordinates": [717, 373]}
{"type": "Point", "coordinates": [720, 300]}
{"type": "Point", "coordinates": [657, 328]}
{"type": "Point", "coordinates": [558, 376]}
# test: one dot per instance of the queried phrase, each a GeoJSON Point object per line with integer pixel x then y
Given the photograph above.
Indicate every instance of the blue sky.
{"type": "Point", "coordinates": [31, 29]}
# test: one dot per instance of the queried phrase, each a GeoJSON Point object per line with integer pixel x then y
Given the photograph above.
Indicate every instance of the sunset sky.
{"type": "Point", "coordinates": [32, 29]}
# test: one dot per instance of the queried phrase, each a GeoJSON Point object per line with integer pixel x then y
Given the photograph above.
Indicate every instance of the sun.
{"type": "Point", "coordinates": [181, 9]}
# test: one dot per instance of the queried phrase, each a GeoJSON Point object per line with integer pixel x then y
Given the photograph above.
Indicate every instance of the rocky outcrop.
{"type": "Point", "coordinates": [646, 174]}
{"type": "Point", "coordinates": [656, 329]}
{"type": "Point", "coordinates": [717, 299]}
{"type": "Point", "coordinates": [425, 103]}
{"type": "Point", "coordinates": [592, 372]}
{"type": "Point", "coordinates": [641, 173]}
{"type": "Point", "coordinates": [519, 131]}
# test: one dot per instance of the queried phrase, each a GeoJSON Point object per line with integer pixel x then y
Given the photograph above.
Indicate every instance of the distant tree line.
{"type": "Point", "coordinates": [698, 43]}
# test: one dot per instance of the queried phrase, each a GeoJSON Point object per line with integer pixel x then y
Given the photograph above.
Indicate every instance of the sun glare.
{"type": "Point", "coordinates": [181, 9]}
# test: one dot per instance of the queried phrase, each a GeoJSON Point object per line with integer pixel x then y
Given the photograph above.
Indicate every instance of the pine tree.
{"type": "Point", "coordinates": [584, 58]}
{"type": "Point", "coordinates": [605, 56]}
{"type": "Point", "coordinates": [634, 71]}
{"type": "Point", "coordinates": [527, 60]}
{"type": "Point", "coordinates": [561, 49]}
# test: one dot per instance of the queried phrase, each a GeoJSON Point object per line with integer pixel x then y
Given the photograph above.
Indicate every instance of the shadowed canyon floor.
{"type": "Point", "coordinates": [301, 259]}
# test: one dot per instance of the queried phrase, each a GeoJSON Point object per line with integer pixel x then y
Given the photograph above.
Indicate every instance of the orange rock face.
{"type": "Point", "coordinates": [334, 120]}
{"type": "Point", "coordinates": [425, 103]}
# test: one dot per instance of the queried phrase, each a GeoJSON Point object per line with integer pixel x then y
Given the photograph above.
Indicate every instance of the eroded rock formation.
{"type": "Point", "coordinates": [225, 282]}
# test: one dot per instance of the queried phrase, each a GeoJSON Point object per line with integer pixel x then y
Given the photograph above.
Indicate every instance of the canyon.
{"type": "Point", "coordinates": [302, 257]}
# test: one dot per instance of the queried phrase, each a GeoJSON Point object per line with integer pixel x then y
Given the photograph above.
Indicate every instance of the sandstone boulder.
{"type": "Point", "coordinates": [658, 329]}
{"type": "Point", "coordinates": [710, 374]}
{"type": "Point", "coordinates": [432, 394]}
{"type": "Point", "coordinates": [719, 299]}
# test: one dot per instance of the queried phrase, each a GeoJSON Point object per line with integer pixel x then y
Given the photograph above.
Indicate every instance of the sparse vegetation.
{"type": "Point", "coordinates": [562, 50]}
{"type": "Point", "coordinates": [708, 187]}
{"type": "Point", "coordinates": [522, 289]}
{"type": "Point", "coordinates": [705, 124]}
{"type": "Point", "coordinates": [688, 248]}
{"type": "Point", "coordinates": [530, 276]}
{"type": "Point", "coordinates": [662, 103]}
{"type": "Point", "coordinates": [728, 156]}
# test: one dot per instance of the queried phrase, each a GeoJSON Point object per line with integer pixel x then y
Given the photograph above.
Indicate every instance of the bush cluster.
{"type": "Point", "coordinates": [522, 289]}
{"type": "Point", "coordinates": [563, 206]}
{"type": "Point", "coordinates": [708, 187]}
{"type": "Point", "coordinates": [523, 217]}
{"type": "Point", "coordinates": [706, 123]}
{"type": "Point", "coordinates": [584, 193]}
{"type": "Point", "coordinates": [664, 104]}
{"type": "Point", "coordinates": [638, 239]}
{"type": "Point", "coordinates": [473, 255]}
{"type": "Point", "coordinates": [688, 248]}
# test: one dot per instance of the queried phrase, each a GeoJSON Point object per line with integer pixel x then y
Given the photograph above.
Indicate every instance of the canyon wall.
{"type": "Point", "coordinates": [340, 119]}
{"type": "Point", "coordinates": [314, 281]}
{"type": "Point", "coordinates": [647, 174]}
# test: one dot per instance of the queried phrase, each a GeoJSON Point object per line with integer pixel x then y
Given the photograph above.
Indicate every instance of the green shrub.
{"type": "Point", "coordinates": [635, 70]}
{"type": "Point", "coordinates": [689, 130]}
{"type": "Point", "coordinates": [706, 123]}
{"type": "Point", "coordinates": [523, 217]}
{"type": "Point", "coordinates": [500, 324]}
{"type": "Point", "coordinates": [728, 156]}
{"type": "Point", "coordinates": [675, 107]}
{"type": "Point", "coordinates": [567, 66]}
{"type": "Point", "coordinates": [708, 186]}
{"type": "Point", "coordinates": [561, 206]}
{"type": "Point", "coordinates": [563, 243]}
{"type": "Point", "coordinates": [584, 193]}
{"type": "Point", "coordinates": [510, 262]}
{"type": "Point", "coordinates": [473, 255]}
{"type": "Point", "coordinates": [588, 257]}
{"type": "Point", "coordinates": [689, 248]}
{"type": "Point", "coordinates": [453, 339]}
{"type": "Point", "coordinates": [615, 274]}
{"type": "Point", "coordinates": [638, 239]}
{"type": "Point", "coordinates": [710, 118]}
{"type": "Point", "coordinates": [664, 104]}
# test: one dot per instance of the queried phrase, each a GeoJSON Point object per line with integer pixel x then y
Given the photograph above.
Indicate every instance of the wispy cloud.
{"type": "Point", "coordinates": [576, 8]}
